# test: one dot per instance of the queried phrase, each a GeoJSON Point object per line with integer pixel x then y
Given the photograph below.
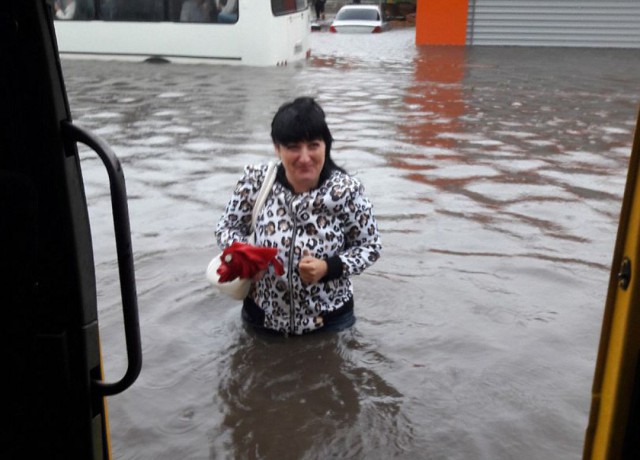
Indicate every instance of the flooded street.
{"type": "Point", "coordinates": [496, 175]}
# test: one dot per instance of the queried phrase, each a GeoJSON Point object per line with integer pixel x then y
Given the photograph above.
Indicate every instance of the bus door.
{"type": "Point", "coordinates": [614, 423]}
{"type": "Point", "coordinates": [53, 397]}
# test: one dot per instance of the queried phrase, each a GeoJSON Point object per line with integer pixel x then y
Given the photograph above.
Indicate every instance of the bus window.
{"type": "Point", "coordinates": [74, 9]}
{"type": "Point", "coordinates": [280, 7]}
{"type": "Point", "coordinates": [132, 10]}
{"type": "Point", "coordinates": [193, 10]}
{"type": "Point", "coordinates": [107, 10]}
{"type": "Point", "coordinates": [228, 11]}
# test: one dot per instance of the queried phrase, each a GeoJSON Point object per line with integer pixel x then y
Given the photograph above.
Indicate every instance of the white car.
{"type": "Point", "coordinates": [359, 19]}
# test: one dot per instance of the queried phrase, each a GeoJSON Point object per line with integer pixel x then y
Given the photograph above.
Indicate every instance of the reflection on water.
{"type": "Point", "coordinates": [308, 399]}
{"type": "Point", "coordinates": [496, 175]}
{"type": "Point", "coordinates": [435, 97]}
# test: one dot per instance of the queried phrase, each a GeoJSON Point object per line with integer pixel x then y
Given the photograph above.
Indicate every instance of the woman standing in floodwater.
{"type": "Point", "coordinates": [318, 218]}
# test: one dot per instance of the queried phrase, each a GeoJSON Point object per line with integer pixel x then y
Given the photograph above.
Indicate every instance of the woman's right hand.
{"type": "Point", "coordinates": [311, 268]}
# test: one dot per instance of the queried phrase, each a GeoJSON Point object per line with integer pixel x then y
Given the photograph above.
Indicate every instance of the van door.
{"type": "Point", "coordinates": [53, 396]}
{"type": "Point", "coordinates": [614, 423]}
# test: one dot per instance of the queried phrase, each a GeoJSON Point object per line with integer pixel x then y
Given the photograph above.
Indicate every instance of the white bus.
{"type": "Point", "coordinates": [246, 32]}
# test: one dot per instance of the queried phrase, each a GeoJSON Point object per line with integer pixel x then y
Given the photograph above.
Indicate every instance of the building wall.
{"type": "Point", "coordinates": [577, 23]}
{"type": "Point", "coordinates": [332, 6]}
{"type": "Point", "coordinates": [574, 23]}
{"type": "Point", "coordinates": [441, 22]}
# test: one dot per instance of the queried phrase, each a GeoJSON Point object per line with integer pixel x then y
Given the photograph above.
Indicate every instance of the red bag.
{"type": "Point", "coordinates": [241, 260]}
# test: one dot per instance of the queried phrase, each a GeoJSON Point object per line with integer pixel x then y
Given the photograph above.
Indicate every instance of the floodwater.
{"type": "Point", "coordinates": [496, 175]}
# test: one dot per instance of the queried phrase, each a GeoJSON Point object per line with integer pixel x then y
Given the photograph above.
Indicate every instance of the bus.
{"type": "Point", "coordinates": [242, 32]}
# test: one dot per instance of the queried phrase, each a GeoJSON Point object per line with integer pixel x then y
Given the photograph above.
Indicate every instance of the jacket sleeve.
{"type": "Point", "coordinates": [362, 240]}
{"type": "Point", "coordinates": [235, 223]}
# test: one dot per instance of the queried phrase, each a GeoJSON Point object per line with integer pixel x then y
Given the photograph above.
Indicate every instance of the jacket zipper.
{"type": "Point", "coordinates": [292, 252]}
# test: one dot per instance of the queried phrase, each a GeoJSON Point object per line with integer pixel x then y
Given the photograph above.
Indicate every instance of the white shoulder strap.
{"type": "Point", "coordinates": [267, 184]}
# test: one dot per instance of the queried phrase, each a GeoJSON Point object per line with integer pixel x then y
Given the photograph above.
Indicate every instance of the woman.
{"type": "Point", "coordinates": [318, 218]}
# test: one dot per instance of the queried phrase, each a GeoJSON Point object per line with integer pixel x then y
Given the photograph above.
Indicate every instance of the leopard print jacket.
{"type": "Point", "coordinates": [334, 220]}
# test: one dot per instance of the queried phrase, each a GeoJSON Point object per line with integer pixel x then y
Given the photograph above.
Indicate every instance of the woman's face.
{"type": "Point", "coordinates": [303, 161]}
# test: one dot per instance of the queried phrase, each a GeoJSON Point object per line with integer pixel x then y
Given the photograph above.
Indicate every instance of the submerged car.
{"type": "Point", "coordinates": [359, 19]}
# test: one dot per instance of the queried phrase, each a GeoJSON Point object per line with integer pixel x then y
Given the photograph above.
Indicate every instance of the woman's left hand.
{"type": "Point", "coordinates": [312, 269]}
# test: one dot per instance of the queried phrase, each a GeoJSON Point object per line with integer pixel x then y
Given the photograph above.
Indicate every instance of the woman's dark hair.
{"type": "Point", "coordinates": [303, 120]}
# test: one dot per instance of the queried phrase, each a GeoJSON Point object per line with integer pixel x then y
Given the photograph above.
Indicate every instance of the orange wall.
{"type": "Point", "coordinates": [441, 22]}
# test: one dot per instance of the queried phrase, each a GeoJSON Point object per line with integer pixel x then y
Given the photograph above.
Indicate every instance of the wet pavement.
{"type": "Point", "coordinates": [497, 177]}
